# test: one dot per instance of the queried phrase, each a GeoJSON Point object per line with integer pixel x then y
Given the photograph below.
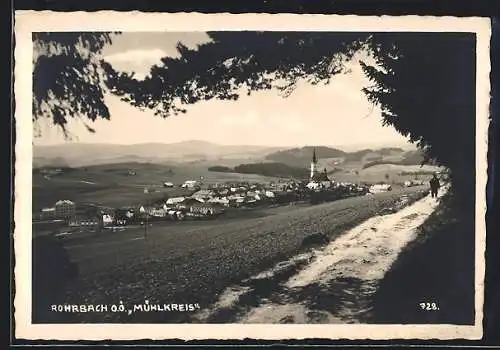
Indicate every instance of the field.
{"type": "Point", "coordinates": [388, 173]}
{"type": "Point", "coordinates": [111, 184]}
{"type": "Point", "coordinates": [194, 262]}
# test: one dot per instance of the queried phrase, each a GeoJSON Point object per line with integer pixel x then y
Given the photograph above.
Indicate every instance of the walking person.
{"type": "Point", "coordinates": [434, 183]}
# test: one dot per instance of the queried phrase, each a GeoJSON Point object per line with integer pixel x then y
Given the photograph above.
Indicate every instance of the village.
{"type": "Point", "coordinates": [206, 201]}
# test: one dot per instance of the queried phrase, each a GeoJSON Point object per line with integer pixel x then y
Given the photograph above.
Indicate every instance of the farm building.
{"type": "Point", "coordinates": [175, 200]}
{"type": "Point", "coordinates": [107, 219]}
{"type": "Point", "coordinates": [82, 221]}
{"type": "Point", "coordinates": [175, 214]}
{"type": "Point", "coordinates": [251, 194]}
{"type": "Point", "coordinates": [158, 212]}
{"type": "Point", "coordinates": [378, 188]}
{"type": "Point", "coordinates": [411, 183]}
{"type": "Point", "coordinates": [65, 208]}
{"type": "Point", "coordinates": [153, 211]}
{"type": "Point", "coordinates": [269, 194]}
{"type": "Point", "coordinates": [191, 201]}
{"type": "Point", "coordinates": [189, 184]}
{"type": "Point", "coordinates": [203, 194]}
{"type": "Point", "coordinates": [123, 216]}
{"type": "Point", "coordinates": [219, 200]}
{"type": "Point", "coordinates": [204, 209]}
{"type": "Point", "coordinates": [236, 198]}
{"type": "Point", "coordinates": [48, 213]}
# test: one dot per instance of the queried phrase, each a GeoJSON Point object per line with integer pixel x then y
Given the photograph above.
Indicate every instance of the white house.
{"type": "Point", "coordinates": [203, 194]}
{"type": "Point", "coordinates": [251, 194]}
{"type": "Point", "coordinates": [380, 188]}
{"type": "Point", "coordinates": [83, 222]}
{"type": "Point", "coordinates": [48, 213]}
{"type": "Point", "coordinates": [65, 208]}
{"type": "Point", "coordinates": [269, 194]}
{"type": "Point", "coordinates": [313, 185]}
{"type": "Point", "coordinates": [175, 200]}
{"type": "Point", "coordinates": [189, 184]}
{"type": "Point", "coordinates": [107, 219]}
{"type": "Point", "coordinates": [224, 201]}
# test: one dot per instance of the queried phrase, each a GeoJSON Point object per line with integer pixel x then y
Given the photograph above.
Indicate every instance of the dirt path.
{"type": "Point", "coordinates": [332, 285]}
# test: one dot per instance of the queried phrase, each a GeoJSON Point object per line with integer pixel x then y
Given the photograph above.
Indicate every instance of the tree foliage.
{"type": "Point", "coordinates": [68, 79]}
{"type": "Point", "coordinates": [234, 63]}
{"type": "Point", "coordinates": [425, 85]}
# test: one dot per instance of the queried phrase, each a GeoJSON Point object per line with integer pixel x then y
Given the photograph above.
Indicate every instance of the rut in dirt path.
{"type": "Point", "coordinates": [332, 285]}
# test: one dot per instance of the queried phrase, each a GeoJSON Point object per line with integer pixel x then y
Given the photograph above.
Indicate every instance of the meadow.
{"type": "Point", "coordinates": [112, 185]}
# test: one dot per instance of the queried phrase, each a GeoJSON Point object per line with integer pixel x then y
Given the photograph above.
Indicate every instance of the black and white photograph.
{"type": "Point", "coordinates": [266, 171]}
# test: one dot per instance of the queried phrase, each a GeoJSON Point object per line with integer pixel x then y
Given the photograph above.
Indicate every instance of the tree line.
{"type": "Point", "coordinates": [265, 169]}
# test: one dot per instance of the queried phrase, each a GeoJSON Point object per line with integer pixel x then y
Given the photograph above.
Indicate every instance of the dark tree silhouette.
{"type": "Point", "coordinates": [234, 63]}
{"type": "Point", "coordinates": [425, 84]}
{"type": "Point", "coordinates": [68, 77]}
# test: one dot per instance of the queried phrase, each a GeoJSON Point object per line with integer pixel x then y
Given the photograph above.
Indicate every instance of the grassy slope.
{"type": "Point", "coordinates": [437, 267]}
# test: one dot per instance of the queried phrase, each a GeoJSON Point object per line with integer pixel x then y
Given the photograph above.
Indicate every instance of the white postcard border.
{"type": "Point", "coordinates": [27, 22]}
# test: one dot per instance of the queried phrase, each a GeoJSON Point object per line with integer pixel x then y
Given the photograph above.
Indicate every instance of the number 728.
{"type": "Point", "coordinates": [429, 306]}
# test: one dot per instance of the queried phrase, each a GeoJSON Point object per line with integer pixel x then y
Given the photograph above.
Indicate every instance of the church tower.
{"type": "Point", "coordinates": [314, 163]}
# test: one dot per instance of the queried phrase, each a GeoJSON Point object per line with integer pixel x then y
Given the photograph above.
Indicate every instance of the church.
{"type": "Point", "coordinates": [317, 179]}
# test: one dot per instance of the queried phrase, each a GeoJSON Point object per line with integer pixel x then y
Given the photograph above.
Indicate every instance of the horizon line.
{"type": "Point", "coordinates": [389, 144]}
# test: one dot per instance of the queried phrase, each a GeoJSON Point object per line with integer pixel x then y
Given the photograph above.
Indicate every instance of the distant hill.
{"type": "Point", "coordinates": [81, 154]}
{"type": "Point", "coordinates": [408, 158]}
{"type": "Point", "coordinates": [302, 156]}
{"type": "Point", "coordinates": [206, 154]}
{"type": "Point", "coordinates": [413, 157]}
{"type": "Point", "coordinates": [357, 155]}
{"type": "Point", "coordinates": [264, 169]}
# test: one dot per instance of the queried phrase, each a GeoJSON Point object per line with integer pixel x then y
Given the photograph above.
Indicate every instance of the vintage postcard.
{"type": "Point", "coordinates": [263, 176]}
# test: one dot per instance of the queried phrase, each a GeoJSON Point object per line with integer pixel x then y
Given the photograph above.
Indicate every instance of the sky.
{"type": "Point", "coordinates": [337, 114]}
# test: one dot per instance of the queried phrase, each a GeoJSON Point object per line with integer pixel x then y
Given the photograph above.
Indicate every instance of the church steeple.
{"type": "Point", "coordinates": [314, 162]}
